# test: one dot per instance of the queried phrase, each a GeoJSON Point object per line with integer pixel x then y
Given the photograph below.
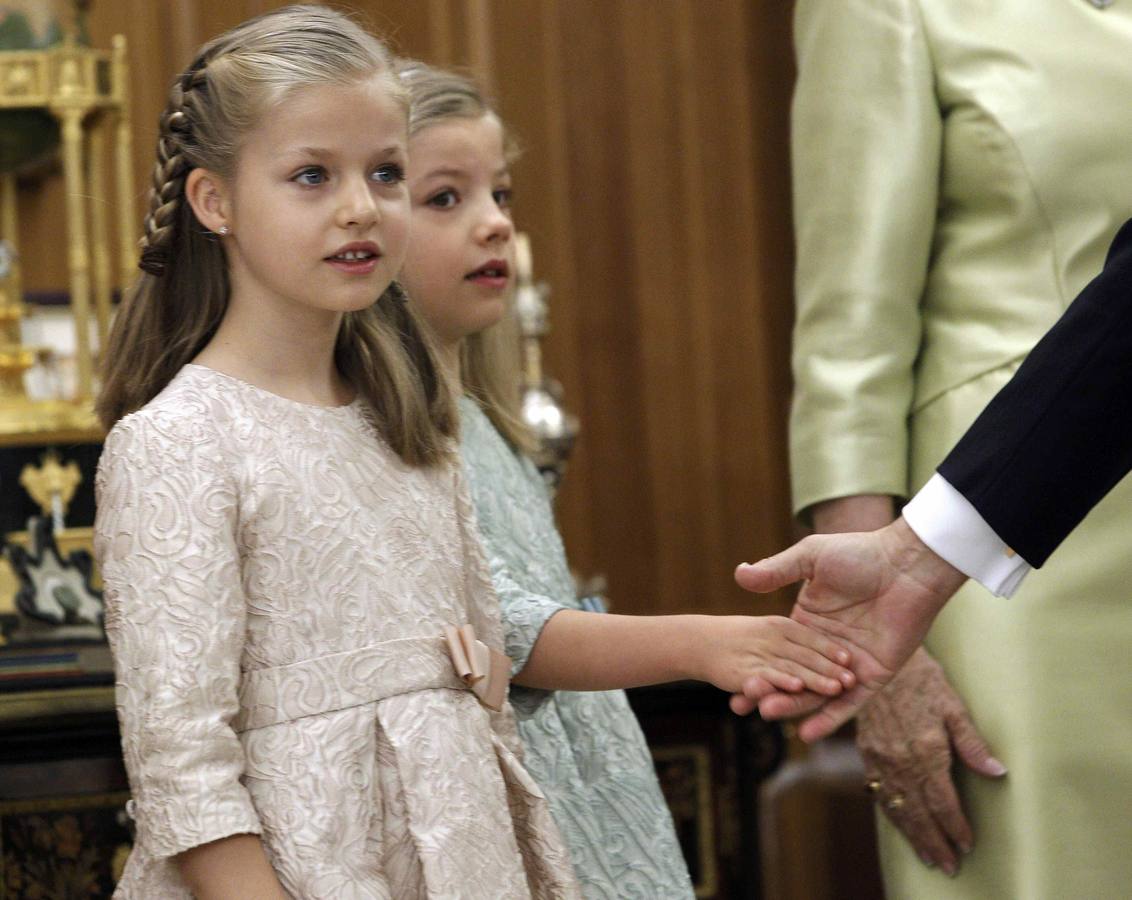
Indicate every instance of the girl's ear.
{"type": "Point", "coordinates": [207, 194]}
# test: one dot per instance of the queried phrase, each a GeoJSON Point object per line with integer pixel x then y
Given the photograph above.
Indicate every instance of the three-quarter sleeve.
{"type": "Point", "coordinates": [865, 147]}
{"type": "Point", "coordinates": [510, 511]}
{"type": "Point", "coordinates": [524, 613]}
{"type": "Point", "coordinates": [165, 538]}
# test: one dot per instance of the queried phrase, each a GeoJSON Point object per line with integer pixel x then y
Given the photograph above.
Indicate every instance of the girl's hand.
{"type": "Point", "coordinates": [769, 654]}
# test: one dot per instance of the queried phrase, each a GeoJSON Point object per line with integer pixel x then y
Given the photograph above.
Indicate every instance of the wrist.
{"type": "Point", "coordinates": [694, 638]}
{"type": "Point", "coordinates": [914, 559]}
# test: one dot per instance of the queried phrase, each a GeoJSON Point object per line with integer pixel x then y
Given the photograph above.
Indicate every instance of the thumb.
{"type": "Point", "coordinates": [791, 565]}
{"type": "Point", "coordinates": [971, 748]}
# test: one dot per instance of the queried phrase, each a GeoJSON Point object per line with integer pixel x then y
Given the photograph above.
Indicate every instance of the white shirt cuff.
{"type": "Point", "coordinates": [946, 521]}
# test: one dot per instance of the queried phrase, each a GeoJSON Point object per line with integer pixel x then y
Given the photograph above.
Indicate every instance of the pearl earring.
{"type": "Point", "coordinates": [224, 231]}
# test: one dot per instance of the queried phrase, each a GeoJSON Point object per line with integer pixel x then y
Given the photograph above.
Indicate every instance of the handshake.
{"type": "Point", "coordinates": [874, 594]}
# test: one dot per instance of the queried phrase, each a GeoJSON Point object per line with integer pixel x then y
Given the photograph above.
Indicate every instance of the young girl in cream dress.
{"type": "Point", "coordinates": [295, 599]}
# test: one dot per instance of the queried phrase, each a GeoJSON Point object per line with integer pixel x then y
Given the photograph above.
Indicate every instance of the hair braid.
{"type": "Point", "coordinates": [173, 164]}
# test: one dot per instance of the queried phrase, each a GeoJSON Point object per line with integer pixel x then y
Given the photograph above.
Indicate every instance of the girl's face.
{"type": "Point", "coordinates": [319, 210]}
{"type": "Point", "coordinates": [460, 263]}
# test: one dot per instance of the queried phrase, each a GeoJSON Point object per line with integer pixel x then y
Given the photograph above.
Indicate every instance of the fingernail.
{"type": "Point", "coordinates": [927, 860]}
{"type": "Point", "coordinates": [949, 869]}
{"type": "Point", "coordinates": [965, 849]}
{"type": "Point", "coordinates": [995, 768]}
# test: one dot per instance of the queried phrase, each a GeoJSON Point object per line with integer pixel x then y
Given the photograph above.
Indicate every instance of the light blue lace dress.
{"type": "Point", "coordinates": [586, 750]}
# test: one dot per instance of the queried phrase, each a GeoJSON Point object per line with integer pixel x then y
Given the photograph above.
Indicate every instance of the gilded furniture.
{"type": "Point", "coordinates": [85, 90]}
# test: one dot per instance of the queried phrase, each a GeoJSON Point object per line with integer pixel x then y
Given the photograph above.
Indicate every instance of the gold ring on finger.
{"type": "Point", "coordinates": [896, 801]}
{"type": "Point", "coordinates": [873, 786]}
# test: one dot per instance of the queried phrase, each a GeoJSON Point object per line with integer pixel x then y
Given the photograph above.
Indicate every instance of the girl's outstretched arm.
{"type": "Point", "coordinates": [585, 651]}
{"type": "Point", "coordinates": [233, 868]}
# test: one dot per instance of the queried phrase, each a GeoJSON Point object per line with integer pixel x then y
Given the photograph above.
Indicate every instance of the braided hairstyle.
{"type": "Point", "coordinates": [178, 301]}
{"type": "Point", "coordinates": [174, 162]}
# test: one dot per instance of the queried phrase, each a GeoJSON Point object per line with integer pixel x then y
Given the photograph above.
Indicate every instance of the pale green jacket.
{"type": "Point", "coordinates": [960, 167]}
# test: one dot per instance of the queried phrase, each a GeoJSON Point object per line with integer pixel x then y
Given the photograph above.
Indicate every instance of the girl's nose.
{"type": "Point", "coordinates": [496, 226]}
{"type": "Point", "coordinates": [358, 208]}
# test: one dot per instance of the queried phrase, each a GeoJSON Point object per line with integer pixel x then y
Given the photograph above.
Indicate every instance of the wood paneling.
{"type": "Point", "coordinates": [661, 217]}
{"type": "Point", "coordinates": [655, 187]}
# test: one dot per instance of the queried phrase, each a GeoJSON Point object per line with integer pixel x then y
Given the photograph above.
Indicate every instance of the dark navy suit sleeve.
{"type": "Point", "coordinates": [1058, 437]}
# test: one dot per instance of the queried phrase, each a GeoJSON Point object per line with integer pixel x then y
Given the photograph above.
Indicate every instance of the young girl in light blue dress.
{"type": "Point", "coordinates": [582, 743]}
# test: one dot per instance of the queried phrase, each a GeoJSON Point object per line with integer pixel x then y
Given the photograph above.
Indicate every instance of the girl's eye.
{"type": "Point", "coordinates": [311, 176]}
{"type": "Point", "coordinates": [391, 173]}
{"type": "Point", "coordinates": [502, 197]}
{"type": "Point", "coordinates": [444, 200]}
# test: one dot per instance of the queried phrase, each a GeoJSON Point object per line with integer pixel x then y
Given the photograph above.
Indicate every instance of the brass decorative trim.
{"type": "Point", "coordinates": [20, 705]}
{"type": "Point", "coordinates": [58, 804]}
{"type": "Point", "coordinates": [30, 423]}
{"type": "Point", "coordinates": [57, 77]}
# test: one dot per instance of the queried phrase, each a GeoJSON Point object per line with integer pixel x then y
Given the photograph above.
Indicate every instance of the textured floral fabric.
{"type": "Point", "coordinates": [277, 586]}
{"type": "Point", "coordinates": [586, 750]}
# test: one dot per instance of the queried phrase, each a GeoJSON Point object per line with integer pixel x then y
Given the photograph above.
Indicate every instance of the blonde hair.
{"type": "Point", "coordinates": [490, 364]}
{"type": "Point", "coordinates": [179, 300]}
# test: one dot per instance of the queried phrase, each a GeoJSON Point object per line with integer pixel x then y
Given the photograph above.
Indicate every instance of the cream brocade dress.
{"type": "Point", "coordinates": [277, 587]}
{"type": "Point", "coordinates": [960, 169]}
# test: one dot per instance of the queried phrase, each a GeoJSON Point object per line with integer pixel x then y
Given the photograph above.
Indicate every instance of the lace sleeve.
{"type": "Point", "coordinates": [175, 618]}
{"type": "Point", "coordinates": [524, 614]}
{"type": "Point", "coordinates": [499, 490]}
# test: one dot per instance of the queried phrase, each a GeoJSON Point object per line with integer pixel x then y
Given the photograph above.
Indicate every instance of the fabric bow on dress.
{"type": "Point", "coordinates": [485, 671]}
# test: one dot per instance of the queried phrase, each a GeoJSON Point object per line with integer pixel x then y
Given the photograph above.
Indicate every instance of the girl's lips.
{"type": "Point", "coordinates": [355, 258]}
{"type": "Point", "coordinates": [495, 282]}
{"type": "Point", "coordinates": [354, 266]}
{"type": "Point", "coordinates": [494, 274]}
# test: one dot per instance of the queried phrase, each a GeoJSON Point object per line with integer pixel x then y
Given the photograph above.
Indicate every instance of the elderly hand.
{"type": "Point", "coordinates": [906, 737]}
{"type": "Point", "coordinates": [874, 593]}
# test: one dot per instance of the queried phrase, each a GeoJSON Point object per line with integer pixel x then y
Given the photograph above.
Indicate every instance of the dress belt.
{"type": "Point", "coordinates": [455, 661]}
